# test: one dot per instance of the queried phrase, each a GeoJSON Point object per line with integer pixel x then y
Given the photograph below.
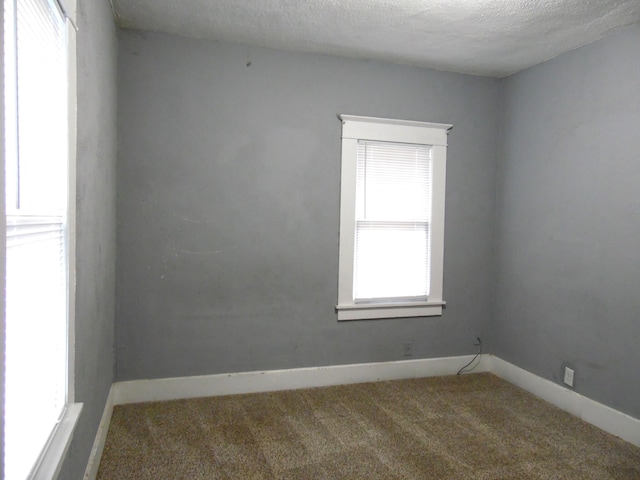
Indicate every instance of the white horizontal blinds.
{"type": "Point", "coordinates": [393, 210]}
{"type": "Point", "coordinates": [42, 106]}
{"type": "Point", "coordinates": [36, 177]}
{"type": "Point", "coordinates": [10, 107]}
{"type": "Point", "coordinates": [35, 350]}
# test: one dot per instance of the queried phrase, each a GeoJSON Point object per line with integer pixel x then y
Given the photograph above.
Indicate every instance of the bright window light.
{"type": "Point", "coordinates": [393, 209]}
{"type": "Point", "coordinates": [37, 156]}
{"type": "Point", "coordinates": [392, 193]}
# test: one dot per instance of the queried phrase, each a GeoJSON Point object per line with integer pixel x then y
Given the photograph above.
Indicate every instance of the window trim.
{"type": "Point", "coordinates": [355, 128]}
{"type": "Point", "coordinates": [52, 458]}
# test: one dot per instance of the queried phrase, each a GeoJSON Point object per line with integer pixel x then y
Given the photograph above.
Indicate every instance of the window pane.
{"type": "Point", "coordinates": [391, 260]}
{"type": "Point", "coordinates": [393, 210]}
{"type": "Point", "coordinates": [35, 376]}
{"type": "Point", "coordinates": [393, 181]}
{"type": "Point", "coordinates": [42, 107]}
{"type": "Point", "coordinates": [36, 132]}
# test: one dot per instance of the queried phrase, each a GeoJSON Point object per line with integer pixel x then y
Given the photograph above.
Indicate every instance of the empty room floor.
{"type": "Point", "coordinates": [473, 426]}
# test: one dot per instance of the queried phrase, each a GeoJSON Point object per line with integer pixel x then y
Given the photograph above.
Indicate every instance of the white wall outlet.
{"type": "Point", "coordinates": [568, 376]}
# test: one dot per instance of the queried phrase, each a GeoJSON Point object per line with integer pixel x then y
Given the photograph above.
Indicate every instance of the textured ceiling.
{"type": "Point", "coordinates": [482, 37]}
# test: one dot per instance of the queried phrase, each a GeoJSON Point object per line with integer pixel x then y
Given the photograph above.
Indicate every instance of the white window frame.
{"type": "Point", "coordinates": [355, 129]}
{"type": "Point", "coordinates": [52, 457]}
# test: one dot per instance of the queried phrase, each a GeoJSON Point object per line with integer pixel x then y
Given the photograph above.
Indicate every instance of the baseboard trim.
{"type": "Point", "coordinates": [597, 414]}
{"type": "Point", "coordinates": [137, 391]}
{"type": "Point", "coordinates": [93, 464]}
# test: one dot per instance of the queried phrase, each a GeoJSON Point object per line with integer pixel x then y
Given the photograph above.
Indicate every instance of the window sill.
{"type": "Point", "coordinates": [389, 310]}
{"type": "Point", "coordinates": [55, 451]}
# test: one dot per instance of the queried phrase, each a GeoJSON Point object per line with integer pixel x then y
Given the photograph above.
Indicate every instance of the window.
{"type": "Point", "coordinates": [39, 77]}
{"type": "Point", "coordinates": [391, 218]}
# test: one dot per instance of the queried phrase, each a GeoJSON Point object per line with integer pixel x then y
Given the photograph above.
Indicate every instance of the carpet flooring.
{"type": "Point", "coordinates": [444, 428]}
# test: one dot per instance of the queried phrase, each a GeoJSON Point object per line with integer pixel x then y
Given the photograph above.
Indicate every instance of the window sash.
{"type": "Point", "coordinates": [391, 261]}
{"type": "Point", "coordinates": [37, 171]}
{"type": "Point", "coordinates": [36, 348]}
{"type": "Point", "coordinates": [393, 181]}
{"type": "Point", "coordinates": [39, 181]}
{"type": "Point", "coordinates": [393, 210]}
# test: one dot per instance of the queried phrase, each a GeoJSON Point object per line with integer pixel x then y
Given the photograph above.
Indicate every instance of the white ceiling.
{"type": "Point", "coordinates": [481, 37]}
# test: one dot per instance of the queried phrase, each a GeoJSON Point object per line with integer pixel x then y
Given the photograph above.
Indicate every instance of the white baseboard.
{"type": "Point", "coordinates": [137, 391]}
{"type": "Point", "coordinates": [91, 471]}
{"type": "Point", "coordinates": [597, 414]}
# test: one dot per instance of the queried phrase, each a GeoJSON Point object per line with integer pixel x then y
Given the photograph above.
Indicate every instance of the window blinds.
{"type": "Point", "coordinates": [36, 122]}
{"type": "Point", "coordinates": [42, 140]}
{"type": "Point", "coordinates": [393, 210]}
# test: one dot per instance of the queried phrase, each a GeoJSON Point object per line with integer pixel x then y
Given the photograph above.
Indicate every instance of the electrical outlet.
{"type": "Point", "coordinates": [408, 349]}
{"type": "Point", "coordinates": [568, 376]}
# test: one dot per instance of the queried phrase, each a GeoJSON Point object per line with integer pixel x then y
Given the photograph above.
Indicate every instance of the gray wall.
{"type": "Point", "coordinates": [568, 237]}
{"type": "Point", "coordinates": [228, 199]}
{"type": "Point", "coordinates": [95, 255]}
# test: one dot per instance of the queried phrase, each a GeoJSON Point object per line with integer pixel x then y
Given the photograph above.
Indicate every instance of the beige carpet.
{"type": "Point", "coordinates": [470, 427]}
